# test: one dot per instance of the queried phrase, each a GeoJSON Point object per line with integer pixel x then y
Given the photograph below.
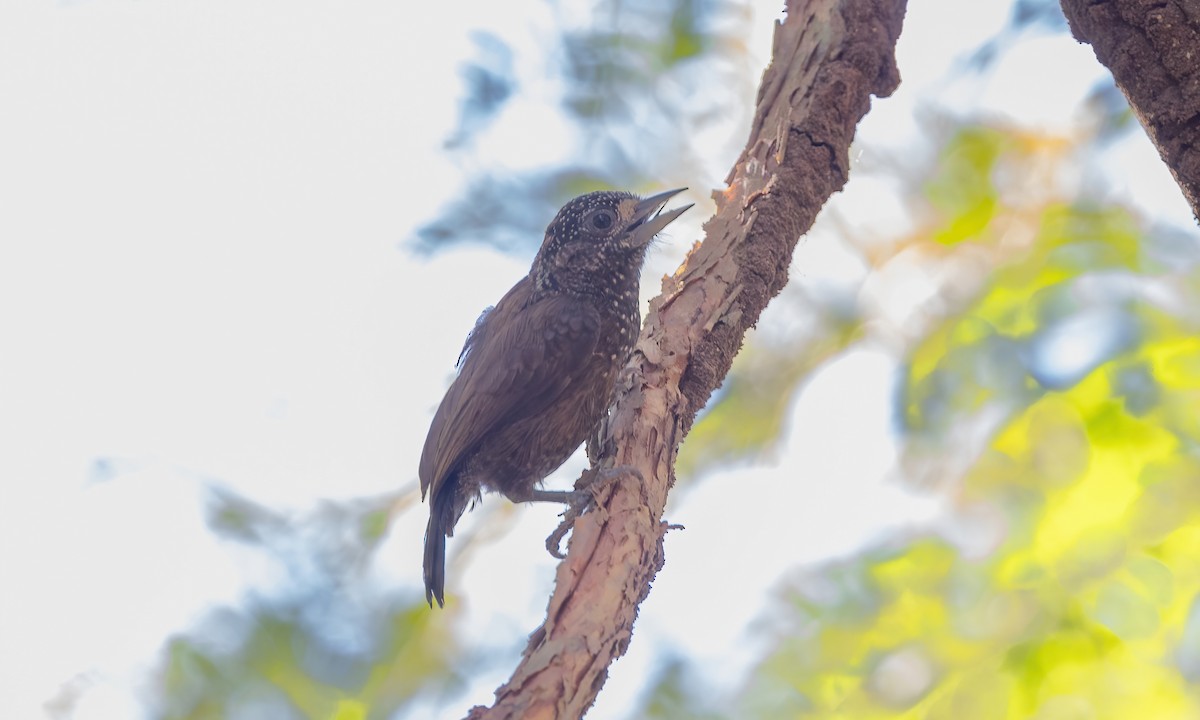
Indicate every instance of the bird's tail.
{"type": "Point", "coordinates": [435, 546]}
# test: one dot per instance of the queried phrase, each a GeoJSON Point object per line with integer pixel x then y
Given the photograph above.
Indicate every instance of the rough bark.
{"type": "Point", "coordinates": [1152, 48]}
{"type": "Point", "coordinates": [829, 57]}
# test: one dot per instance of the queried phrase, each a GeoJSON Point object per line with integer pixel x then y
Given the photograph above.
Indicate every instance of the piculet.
{"type": "Point", "coordinates": [536, 375]}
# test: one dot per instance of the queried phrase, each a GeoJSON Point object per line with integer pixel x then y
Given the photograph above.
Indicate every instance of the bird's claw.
{"type": "Point", "coordinates": [585, 497]}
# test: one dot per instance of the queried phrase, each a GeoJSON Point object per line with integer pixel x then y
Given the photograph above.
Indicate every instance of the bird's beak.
{"type": "Point", "coordinates": [646, 223]}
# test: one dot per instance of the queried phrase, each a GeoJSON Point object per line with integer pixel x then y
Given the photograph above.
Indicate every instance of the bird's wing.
{"type": "Point", "coordinates": [473, 335]}
{"type": "Point", "coordinates": [520, 357]}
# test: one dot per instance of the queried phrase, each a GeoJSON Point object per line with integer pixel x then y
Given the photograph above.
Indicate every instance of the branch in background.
{"type": "Point", "coordinates": [1153, 52]}
{"type": "Point", "coordinates": [829, 57]}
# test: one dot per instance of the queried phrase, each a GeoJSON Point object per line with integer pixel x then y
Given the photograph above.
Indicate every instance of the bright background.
{"type": "Point", "coordinates": [241, 245]}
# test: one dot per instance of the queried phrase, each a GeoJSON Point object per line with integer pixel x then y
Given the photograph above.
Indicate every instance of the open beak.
{"type": "Point", "coordinates": [648, 221]}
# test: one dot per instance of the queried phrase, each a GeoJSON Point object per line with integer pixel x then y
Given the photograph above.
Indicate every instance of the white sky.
{"type": "Point", "coordinates": [202, 275]}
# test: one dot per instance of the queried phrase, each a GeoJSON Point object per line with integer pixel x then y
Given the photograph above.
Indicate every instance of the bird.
{"type": "Point", "coordinates": [536, 374]}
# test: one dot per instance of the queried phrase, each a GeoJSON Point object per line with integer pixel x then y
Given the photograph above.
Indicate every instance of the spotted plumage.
{"type": "Point", "coordinates": [536, 375]}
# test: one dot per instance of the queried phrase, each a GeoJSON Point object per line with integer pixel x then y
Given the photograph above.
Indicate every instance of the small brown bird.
{"type": "Point", "coordinates": [536, 374]}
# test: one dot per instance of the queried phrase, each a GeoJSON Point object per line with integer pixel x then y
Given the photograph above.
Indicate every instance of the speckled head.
{"type": "Point", "coordinates": [596, 243]}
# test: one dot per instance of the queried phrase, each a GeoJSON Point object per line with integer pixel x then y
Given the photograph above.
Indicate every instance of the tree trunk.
{"type": "Point", "coordinates": [829, 57]}
{"type": "Point", "coordinates": [1153, 52]}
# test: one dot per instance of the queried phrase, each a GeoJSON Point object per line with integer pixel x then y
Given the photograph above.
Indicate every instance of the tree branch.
{"type": "Point", "coordinates": [829, 56]}
{"type": "Point", "coordinates": [1153, 52]}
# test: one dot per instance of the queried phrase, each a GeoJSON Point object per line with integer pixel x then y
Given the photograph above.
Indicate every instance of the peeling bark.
{"type": "Point", "coordinates": [829, 57]}
{"type": "Point", "coordinates": [1152, 49]}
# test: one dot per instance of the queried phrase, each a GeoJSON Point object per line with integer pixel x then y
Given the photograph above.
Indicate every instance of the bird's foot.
{"type": "Point", "coordinates": [584, 497]}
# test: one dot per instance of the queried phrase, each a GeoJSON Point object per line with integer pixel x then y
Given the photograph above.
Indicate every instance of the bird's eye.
{"type": "Point", "coordinates": [601, 220]}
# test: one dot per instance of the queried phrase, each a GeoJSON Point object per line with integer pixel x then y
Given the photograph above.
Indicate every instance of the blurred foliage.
{"type": "Point", "coordinates": [489, 81]}
{"type": "Point", "coordinates": [623, 84]}
{"type": "Point", "coordinates": [675, 696]}
{"type": "Point", "coordinates": [1084, 606]}
{"type": "Point", "coordinates": [325, 641]}
{"type": "Point", "coordinates": [1057, 403]}
{"type": "Point", "coordinates": [746, 416]}
{"type": "Point", "coordinates": [1026, 16]}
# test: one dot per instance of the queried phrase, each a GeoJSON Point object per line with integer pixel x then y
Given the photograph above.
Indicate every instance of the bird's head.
{"type": "Point", "coordinates": [596, 243]}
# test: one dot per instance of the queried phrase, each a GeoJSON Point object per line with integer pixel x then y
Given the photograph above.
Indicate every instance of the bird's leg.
{"type": "Point", "coordinates": [585, 496]}
{"type": "Point", "coordinates": [568, 497]}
